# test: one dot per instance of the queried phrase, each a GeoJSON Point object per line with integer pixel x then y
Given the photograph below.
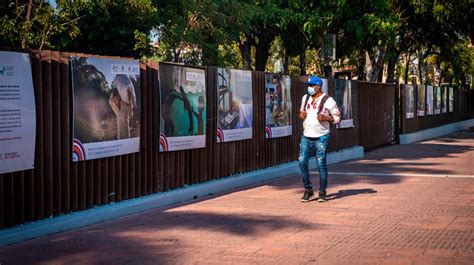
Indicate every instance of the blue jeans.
{"type": "Point", "coordinates": [320, 146]}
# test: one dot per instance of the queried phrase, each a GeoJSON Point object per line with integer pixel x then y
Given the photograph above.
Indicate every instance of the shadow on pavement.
{"type": "Point", "coordinates": [345, 193]}
{"type": "Point", "coordinates": [146, 238]}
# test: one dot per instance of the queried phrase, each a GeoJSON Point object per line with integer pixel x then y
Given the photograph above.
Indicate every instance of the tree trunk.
{"type": "Point", "coordinates": [407, 66]}
{"type": "Point", "coordinates": [303, 63]}
{"type": "Point", "coordinates": [245, 51]}
{"type": "Point", "coordinates": [378, 66]}
{"type": "Point", "coordinates": [392, 61]}
{"type": "Point", "coordinates": [420, 74]}
{"type": "Point", "coordinates": [262, 53]}
{"type": "Point", "coordinates": [286, 62]}
{"type": "Point", "coordinates": [361, 66]}
{"type": "Point", "coordinates": [27, 26]}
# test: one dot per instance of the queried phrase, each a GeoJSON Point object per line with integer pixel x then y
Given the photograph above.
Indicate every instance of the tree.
{"type": "Point", "coordinates": [111, 27]}
{"type": "Point", "coordinates": [35, 23]}
{"type": "Point", "coordinates": [433, 28]}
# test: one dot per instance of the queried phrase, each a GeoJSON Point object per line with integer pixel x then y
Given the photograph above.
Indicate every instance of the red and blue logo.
{"type": "Point", "coordinates": [78, 152]}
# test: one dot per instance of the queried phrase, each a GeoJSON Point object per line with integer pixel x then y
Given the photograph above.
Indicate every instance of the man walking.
{"type": "Point", "coordinates": [318, 110]}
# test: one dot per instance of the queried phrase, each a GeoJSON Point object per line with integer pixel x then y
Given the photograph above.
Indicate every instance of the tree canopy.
{"type": "Point", "coordinates": [372, 37]}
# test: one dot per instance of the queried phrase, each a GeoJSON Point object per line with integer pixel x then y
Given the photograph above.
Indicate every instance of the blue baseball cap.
{"type": "Point", "coordinates": [314, 80]}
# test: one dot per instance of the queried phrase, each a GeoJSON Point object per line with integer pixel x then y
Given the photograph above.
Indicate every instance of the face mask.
{"type": "Point", "coordinates": [311, 90]}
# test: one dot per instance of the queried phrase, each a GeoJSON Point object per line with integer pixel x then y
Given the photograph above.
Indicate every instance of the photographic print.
{"type": "Point", "coordinates": [429, 100]}
{"type": "Point", "coordinates": [234, 90]}
{"type": "Point", "coordinates": [437, 100]}
{"type": "Point", "coordinates": [421, 100]}
{"type": "Point", "coordinates": [106, 115]}
{"type": "Point", "coordinates": [409, 101]}
{"type": "Point", "coordinates": [444, 99]}
{"type": "Point", "coordinates": [325, 87]}
{"type": "Point", "coordinates": [277, 106]}
{"type": "Point", "coordinates": [183, 108]}
{"type": "Point", "coordinates": [344, 102]}
{"type": "Point", "coordinates": [17, 113]}
{"type": "Point", "coordinates": [451, 99]}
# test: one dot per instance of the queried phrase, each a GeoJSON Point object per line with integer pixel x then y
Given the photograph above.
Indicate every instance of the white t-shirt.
{"type": "Point", "coordinates": [311, 126]}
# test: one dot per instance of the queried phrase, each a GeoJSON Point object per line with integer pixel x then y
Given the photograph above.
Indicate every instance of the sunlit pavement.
{"type": "Point", "coordinates": [403, 204]}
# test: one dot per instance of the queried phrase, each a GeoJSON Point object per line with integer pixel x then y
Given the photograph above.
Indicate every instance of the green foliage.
{"type": "Point", "coordinates": [251, 34]}
{"type": "Point", "coordinates": [113, 27]}
{"type": "Point", "coordinates": [36, 25]}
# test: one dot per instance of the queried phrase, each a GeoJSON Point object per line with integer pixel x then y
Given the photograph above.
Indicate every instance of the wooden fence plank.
{"type": "Point", "coordinates": [104, 185]}
{"type": "Point", "coordinates": [131, 175]}
{"type": "Point", "coordinates": [19, 193]}
{"type": "Point", "coordinates": [125, 176]}
{"type": "Point", "coordinates": [89, 188]}
{"type": "Point", "coordinates": [66, 140]}
{"type": "Point", "coordinates": [9, 203]}
{"type": "Point", "coordinates": [97, 180]}
{"type": "Point", "coordinates": [57, 160]}
{"type": "Point", "coordinates": [29, 196]}
{"type": "Point", "coordinates": [2, 201]}
{"type": "Point", "coordinates": [48, 135]}
{"type": "Point", "coordinates": [118, 178]}
{"type": "Point", "coordinates": [38, 172]}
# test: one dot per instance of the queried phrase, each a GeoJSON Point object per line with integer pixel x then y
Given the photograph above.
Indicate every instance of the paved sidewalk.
{"type": "Point", "coordinates": [410, 204]}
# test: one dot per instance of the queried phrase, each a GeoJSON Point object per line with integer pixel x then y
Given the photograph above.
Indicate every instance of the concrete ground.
{"type": "Point", "coordinates": [401, 204]}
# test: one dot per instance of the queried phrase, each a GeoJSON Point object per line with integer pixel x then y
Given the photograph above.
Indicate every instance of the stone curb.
{"type": "Point", "coordinates": [409, 138]}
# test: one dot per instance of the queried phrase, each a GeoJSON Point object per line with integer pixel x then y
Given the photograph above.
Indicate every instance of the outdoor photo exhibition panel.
{"type": "Point", "coordinates": [444, 99]}
{"type": "Point", "coordinates": [429, 100]}
{"type": "Point", "coordinates": [106, 112]}
{"type": "Point", "coordinates": [344, 102]}
{"type": "Point", "coordinates": [421, 100]}
{"type": "Point", "coordinates": [17, 113]}
{"type": "Point", "coordinates": [409, 101]}
{"type": "Point", "coordinates": [437, 100]}
{"type": "Point", "coordinates": [325, 87]}
{"type": "Point", "coordinates": [451, 99]}
{"type": "Point", "coordinates": [277, 106]}
{"type": "Point", "coordinates": [234, 101]}
{"type": "Point", "coordinates": [183, 108]}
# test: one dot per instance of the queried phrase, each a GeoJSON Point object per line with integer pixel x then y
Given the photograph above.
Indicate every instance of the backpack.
{"type": "Point", "coordinates": [321, 105]}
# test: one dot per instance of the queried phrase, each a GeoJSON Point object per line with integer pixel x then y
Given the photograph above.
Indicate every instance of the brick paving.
{"type": "Point", "coordinates": [402, 218]}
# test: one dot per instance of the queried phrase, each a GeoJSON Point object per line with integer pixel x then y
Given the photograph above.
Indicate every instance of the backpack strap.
{"type": "Point", "coordinates": [321, 104]}
{"type": "Point", "coordinates": [306, 101]}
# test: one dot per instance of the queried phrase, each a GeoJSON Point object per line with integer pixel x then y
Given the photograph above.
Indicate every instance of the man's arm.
{"type": "Point", "coordinates": [335, 114]}
{"type": "Point", "coordinates": [302, 115]}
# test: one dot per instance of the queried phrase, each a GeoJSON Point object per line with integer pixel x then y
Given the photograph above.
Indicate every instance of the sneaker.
{"type": "Point", "coordinates": [322, 196]}
{"type": "Point", "coordinates": [307, 196]}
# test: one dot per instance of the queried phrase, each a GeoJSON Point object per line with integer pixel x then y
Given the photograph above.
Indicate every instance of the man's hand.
{"type": "Point", "coordinates": [322, 118]}
{"type": "Point", "coordinates": [302, 115]}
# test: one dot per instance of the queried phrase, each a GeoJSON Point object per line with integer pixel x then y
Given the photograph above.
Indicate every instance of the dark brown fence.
{"type": "Point", "coordinates": [377, 115]}
{"type": "Point", "coordinates": [58, 186]}
{"type": "Point", "coordinates": [463, 109]}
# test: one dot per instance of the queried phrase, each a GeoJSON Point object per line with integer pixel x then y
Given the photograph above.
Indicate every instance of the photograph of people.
{"type": "Point", "coordinates": [234, 90]}
{"type": "Point", "coordinates": [277, 105]}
